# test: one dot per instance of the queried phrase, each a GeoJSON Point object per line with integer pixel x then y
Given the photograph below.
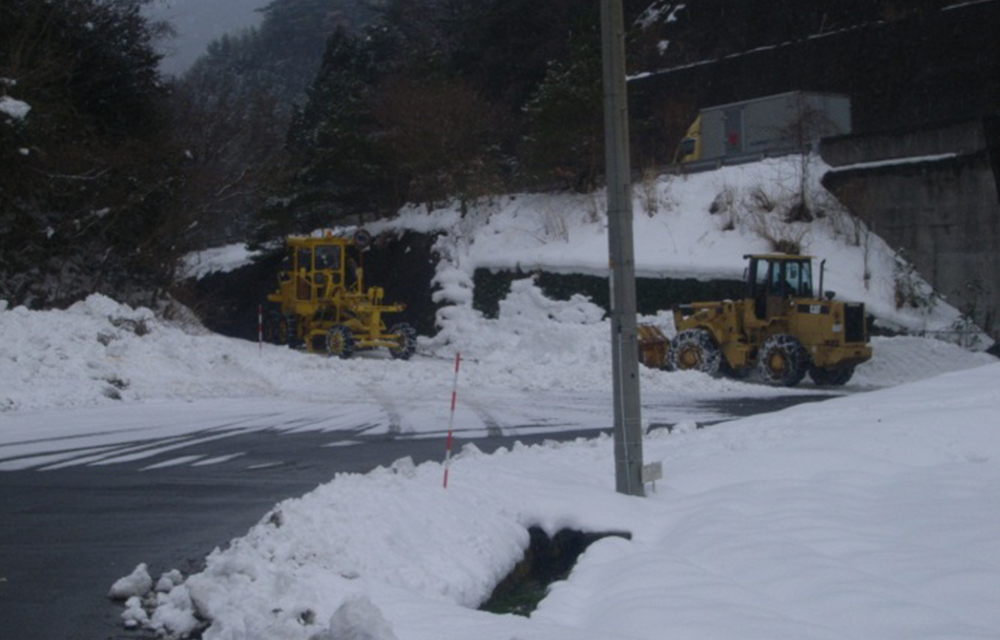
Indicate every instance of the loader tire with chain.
{"type": "Point", "coordinates": [694, 350]}
{"type": "Point", "coordinates": [782, 361]}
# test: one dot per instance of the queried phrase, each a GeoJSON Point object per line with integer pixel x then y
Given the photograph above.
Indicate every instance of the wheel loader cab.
{"type": "Point", "coordinates": [773, 280]}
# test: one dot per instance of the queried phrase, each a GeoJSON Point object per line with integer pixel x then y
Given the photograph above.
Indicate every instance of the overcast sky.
{"type": "Point", "coordinates": [198, 22]}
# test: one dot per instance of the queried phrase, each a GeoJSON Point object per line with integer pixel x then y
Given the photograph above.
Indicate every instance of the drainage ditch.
{"type": "Point", "coordinates": [546, 560]}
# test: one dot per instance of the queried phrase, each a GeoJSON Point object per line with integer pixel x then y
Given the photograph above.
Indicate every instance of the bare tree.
{"type": "Point", "coordinates": [233, 145]}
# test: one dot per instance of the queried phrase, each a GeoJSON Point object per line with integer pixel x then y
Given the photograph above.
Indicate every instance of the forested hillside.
{"type": "Point", "coordinates": [86, 189]}
{"type": "Point", "coordinates": [348, 109]}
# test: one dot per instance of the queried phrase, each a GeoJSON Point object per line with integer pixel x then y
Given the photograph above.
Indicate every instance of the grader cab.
{"type": "Point", "coordinates": [322, 301]}
{"type": "Point", "coordinates": [782, 328]}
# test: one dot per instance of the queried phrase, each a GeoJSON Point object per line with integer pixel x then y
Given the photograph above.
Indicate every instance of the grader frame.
{"type": "Point", "coordinates": [322, 301]}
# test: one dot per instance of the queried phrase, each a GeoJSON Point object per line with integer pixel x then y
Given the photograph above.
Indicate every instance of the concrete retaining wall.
{"type": "Point", "coordinates": [933, 195]}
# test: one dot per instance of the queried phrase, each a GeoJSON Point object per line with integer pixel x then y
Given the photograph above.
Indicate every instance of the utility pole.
{"type": "Point", "coordinates": [624, 340]}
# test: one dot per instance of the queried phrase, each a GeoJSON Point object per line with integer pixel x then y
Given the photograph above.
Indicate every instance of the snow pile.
{"type": "Point", "coordinates": [14, 109]}
{"type": "Point", "coordinates": [357, 619]}
{"type": "Point", "coordinates": [202, 263]}
{"type": "Point", "coordinates": [872, 515]}
{"type": "Point", "coordinates": [136, 583]}
{"type": "Point", "coordinates": [102, 352]}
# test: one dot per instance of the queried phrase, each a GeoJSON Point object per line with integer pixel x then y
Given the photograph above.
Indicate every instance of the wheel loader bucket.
{"type": "Point", "coordinates": [652, 346]}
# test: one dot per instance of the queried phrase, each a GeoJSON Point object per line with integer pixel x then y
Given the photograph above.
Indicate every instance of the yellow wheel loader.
{"type": "Point", "coordinates": [322, 301]}
{"type": "Point", "coordinates": [782, 328]}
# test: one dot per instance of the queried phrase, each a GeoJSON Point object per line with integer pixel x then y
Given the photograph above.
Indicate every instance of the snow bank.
{"type": "Point", "coordinates": [226, 258]}
{"type": "Point", "coordinates": [102, 352]}
{"type": "Point", "coordinates": [14, 109]}
{"type": "Point", "coordinates": [867, 516]}
{"type": "Point", "coordinates": [136, 583]}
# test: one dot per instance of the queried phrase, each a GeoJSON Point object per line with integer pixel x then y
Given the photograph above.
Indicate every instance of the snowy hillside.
{"type": "Point", "coordinates": [685, 226]}
{"type": "Point", "coordinates": [113, 352]}
{"type": "Point", "coordinates": [697, 226]}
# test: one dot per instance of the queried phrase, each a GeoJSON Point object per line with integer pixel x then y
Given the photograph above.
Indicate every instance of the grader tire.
{"type": "Point", "coordinates": [407, 344]}
{"type": "Point", "coordinates": [782, 361]}
{"type": "Point", "coordinates": [340, 342]}
{"type": "Point", "coordinates": [271, 321]}
{"type": "Point", "coordinates": [287, 333]}
{"type": "Point", "coordinates": [694, 350]}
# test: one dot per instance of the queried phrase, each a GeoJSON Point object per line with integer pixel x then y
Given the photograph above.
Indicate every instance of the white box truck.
{"type": "Point", "coordinates": [769, 126]}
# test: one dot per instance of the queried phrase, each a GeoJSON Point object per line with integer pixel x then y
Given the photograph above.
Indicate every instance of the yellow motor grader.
{"type": "Point", "coordinates": [322, 301]}
{"type": "Point", "coordinates": [782, 328]}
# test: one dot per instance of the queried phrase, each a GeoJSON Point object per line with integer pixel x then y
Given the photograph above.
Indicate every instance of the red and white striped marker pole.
{"type": "Point", "coordinates": [451, 418]}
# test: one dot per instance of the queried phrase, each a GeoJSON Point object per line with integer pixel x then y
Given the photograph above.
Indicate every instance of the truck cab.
{"type": "Point", "coordinates": [689, 148]}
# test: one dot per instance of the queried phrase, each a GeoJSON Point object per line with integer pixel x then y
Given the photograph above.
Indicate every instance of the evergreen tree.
{"type": "Point", "coordinates": [343, 167]}
{"type": "Point", "coordinates": [86, 182]}
{"type": "Point", "coordinates": [566, 118]}
{"type": "Point", "coordinates": [427, 104]}
{"type": "Point", "coordinates": [281, 57]}
{"type": "Point", "coordinates": [235, 108]}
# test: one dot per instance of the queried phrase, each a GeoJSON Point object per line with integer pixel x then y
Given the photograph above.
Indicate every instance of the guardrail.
{"type": "Point", "coordinates": [727, 161]}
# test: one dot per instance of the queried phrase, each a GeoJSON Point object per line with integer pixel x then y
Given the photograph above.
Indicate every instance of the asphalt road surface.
{"type": "Point", "coordinates": [67, 534]}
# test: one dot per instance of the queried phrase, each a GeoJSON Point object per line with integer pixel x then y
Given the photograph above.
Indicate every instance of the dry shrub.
{"type": "Point", "coordinates": [799, 211]}
{"type": "Point", "coordinates": [761, 200]}
{"type": "Point", "coordinates": [781, 236]}
{"type": "Point", "coordinates": [647, 193]}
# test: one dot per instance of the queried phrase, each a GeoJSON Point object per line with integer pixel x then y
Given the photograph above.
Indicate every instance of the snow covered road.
{"type": "Point", "coordinates": [88, 493]}
{"type": "Point", "coordinates": [160, 432]}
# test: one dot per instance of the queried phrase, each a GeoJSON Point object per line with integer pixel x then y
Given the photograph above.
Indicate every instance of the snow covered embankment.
{"type": "Point", "coordinates": [692, 226]}
{"type": "Point", "coordinates": [869, 515]}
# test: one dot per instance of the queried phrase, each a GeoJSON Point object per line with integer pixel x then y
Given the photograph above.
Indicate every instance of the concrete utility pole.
{"type": "Point", "coordinates": [624, 340]}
